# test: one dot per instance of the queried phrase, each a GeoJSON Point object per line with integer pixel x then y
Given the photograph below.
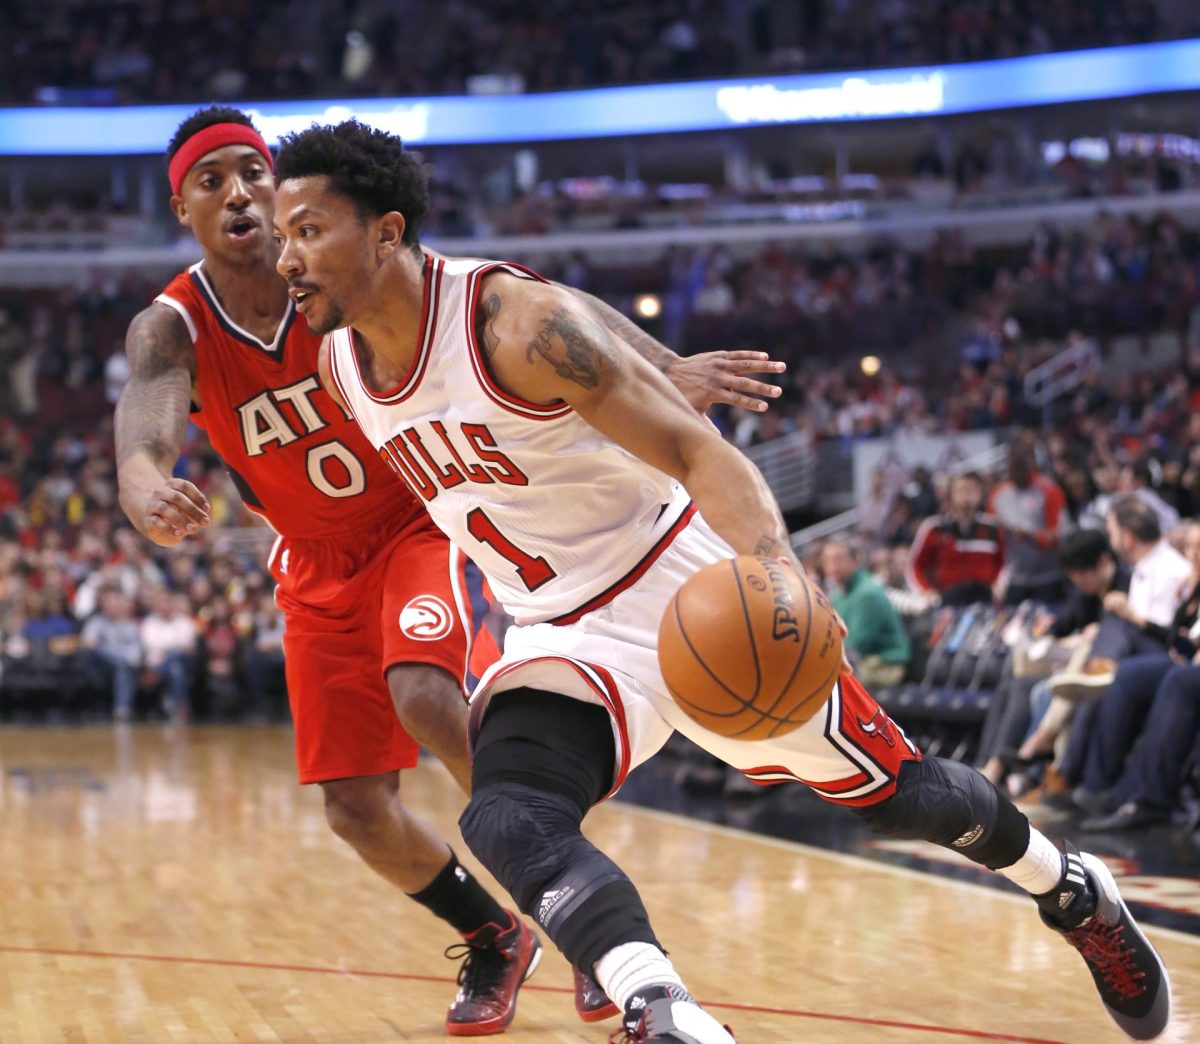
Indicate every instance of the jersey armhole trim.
{"type": "Point", "coordinates": [335, 374]}
{"type": "Point", "coordinates": [181, 308]}
{"type": "Point", "coordinates": [511, 403]}
{"type": "Point", "coordinates": [430, 303]}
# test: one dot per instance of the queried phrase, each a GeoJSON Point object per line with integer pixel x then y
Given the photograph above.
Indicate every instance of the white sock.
{"type": "Point", "coordinates": [1041, 867]}
{"type": "Point", "coordinates": [630, 967]}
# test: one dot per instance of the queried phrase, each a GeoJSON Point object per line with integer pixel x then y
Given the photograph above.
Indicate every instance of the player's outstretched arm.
{"type": "Point", "coordinates": [703, 379]}
{"type": "Point", "coordinates": [151, 419]}
{"type": "Point", "coordinates": [544, 346]}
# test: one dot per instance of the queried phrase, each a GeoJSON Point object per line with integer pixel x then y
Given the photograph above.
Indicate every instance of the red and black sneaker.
{"type": "Point", "coordinates": [591, 1002]}
{"type": "Point", "coordinates": [496, 960]}
{"type": "Point", "coordinates": [1128, 973]}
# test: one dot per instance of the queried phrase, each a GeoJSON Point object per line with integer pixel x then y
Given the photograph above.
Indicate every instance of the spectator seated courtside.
{"type": "Point", "coordinates": [1025, 724]}
{"type": "Point", "coordinates": [1144, 724]}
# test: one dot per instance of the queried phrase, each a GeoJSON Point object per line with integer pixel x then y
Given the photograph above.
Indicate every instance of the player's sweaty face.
{"type": "Point", "coordinates": [325, 253]}
{"type": "Point", "coordinates": [228, 200]}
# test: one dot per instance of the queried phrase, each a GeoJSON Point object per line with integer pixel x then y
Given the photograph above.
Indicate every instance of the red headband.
{"type": "Point", "coordinates": [212, 137]}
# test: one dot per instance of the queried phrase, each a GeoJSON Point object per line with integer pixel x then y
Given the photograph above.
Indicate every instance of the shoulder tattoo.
{"type": "Point", "coordinates": [579, 350]}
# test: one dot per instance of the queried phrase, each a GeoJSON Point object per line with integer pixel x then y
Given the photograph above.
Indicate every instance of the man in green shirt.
{"type": "Point", "coordinates": [878, 644]}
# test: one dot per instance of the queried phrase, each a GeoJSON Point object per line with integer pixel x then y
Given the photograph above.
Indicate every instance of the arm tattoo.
{"type": "Point", "coordinates": [579, 350]}
{"type": "Point", "coordinates": [485, 331]}
{"type": "Point", "coordinates": [152, 413]}
{"type": "Point", "coordinates": [655, 353]}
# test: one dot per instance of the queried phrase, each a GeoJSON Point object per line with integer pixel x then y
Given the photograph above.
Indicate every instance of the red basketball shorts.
{"type": "Point", "coordinates": [354, 606]}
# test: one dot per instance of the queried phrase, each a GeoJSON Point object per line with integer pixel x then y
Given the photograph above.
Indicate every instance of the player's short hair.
{"type": "Point", "coordinates": [202, 118]}
{"type": "Point", "coordinates": [368, 166]}
{"type": "Point", "coordinates": [1083, 549]}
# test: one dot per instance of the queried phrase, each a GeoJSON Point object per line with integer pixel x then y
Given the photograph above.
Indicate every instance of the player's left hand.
{"type": "Point", "coordinates": [713, 377]}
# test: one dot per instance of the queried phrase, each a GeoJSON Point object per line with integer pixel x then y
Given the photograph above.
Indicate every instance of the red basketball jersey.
{"type": "Point", "coordinates": [296, 457]}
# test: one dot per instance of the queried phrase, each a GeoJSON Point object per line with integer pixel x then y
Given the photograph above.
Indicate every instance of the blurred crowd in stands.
{"type": "Point", "coordinates": [997, 311]}
{"type": "Point", "coordinates": [91, 622]}
{"type": "Point", "coordinates": [1074, 576]}
{"type": "Point", "coordinates": [135, 50]}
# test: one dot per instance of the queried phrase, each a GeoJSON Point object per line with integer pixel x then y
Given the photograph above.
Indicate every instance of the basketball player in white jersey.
{"type": "Point", "coordinates": [588, 491]}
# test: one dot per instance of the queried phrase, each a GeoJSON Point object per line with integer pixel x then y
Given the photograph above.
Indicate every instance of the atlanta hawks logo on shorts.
{"type": "Point", "coordinates": [426, 619]}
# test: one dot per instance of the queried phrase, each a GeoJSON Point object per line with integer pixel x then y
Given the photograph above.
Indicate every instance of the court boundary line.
{"type": "Point", "coordinates": [864, 862]}
{"type": "Point", "coordinates": [312, 969]}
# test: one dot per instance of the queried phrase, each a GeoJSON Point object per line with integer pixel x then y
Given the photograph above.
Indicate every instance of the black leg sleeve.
{"type": "Point", "coordinates": [952, 805]}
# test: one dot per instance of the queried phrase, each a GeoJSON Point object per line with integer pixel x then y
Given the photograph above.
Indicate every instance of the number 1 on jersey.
{"type": "Point", "coordinates": [533, 571]}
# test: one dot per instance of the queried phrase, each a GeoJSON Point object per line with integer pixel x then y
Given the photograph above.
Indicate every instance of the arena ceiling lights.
{"type": "Point", "coordinates": [1048, 79]}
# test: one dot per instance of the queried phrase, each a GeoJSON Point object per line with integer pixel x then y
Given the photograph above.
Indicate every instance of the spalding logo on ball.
{"type": "Point", "coordinates": [749, 648]}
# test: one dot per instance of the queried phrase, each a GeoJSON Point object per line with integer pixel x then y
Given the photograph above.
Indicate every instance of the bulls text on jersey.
{"type": "Point", "coordinates": [436, 462]}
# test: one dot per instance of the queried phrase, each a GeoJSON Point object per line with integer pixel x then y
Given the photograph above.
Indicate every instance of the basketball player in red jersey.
{"type": "Point", "coordinates": [568, 468]}
{"type": "Point", "coordinates": [369, 587]}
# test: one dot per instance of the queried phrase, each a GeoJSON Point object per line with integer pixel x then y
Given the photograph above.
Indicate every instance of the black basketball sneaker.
{"type": "Point", "coordinates": [670, 1015]}
{"type": "Point", "coordinates": [1087, 910]}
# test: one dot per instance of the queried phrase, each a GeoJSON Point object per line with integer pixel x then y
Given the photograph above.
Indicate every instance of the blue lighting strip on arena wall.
{"type": "Point", "coordinates": [1048, 79]}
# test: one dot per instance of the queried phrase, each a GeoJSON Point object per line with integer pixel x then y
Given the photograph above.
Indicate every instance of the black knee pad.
{"type": "Point", "coordinates": [523, 835]}
{"type": "Point", "coordinates": [952, 805]}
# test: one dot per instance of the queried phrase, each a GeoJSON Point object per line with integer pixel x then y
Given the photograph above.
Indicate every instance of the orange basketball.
{"type": "Point", "coordinates": [749, 648]}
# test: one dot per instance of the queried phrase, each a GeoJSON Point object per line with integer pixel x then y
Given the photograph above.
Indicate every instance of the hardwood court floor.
{"type": "Point", "coordinates": [160, 885]}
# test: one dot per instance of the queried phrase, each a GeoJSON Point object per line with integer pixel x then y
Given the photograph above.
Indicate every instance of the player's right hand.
{"type": "Point", "coordinates": [174, 511]}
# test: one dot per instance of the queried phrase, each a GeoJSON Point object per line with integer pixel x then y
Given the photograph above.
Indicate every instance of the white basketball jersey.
{"type": "Point", "coordinates": [559, 518]}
